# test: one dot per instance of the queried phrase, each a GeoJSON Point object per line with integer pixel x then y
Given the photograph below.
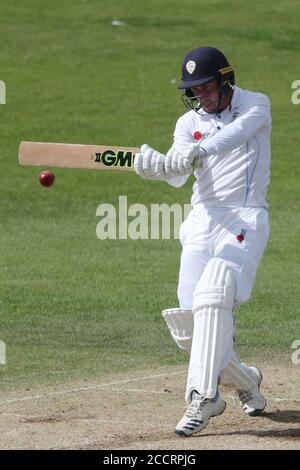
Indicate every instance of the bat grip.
{"type": "Point", "coordinates": [197, 162]}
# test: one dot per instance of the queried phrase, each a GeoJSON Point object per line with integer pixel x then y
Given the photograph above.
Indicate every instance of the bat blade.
{"type": "Point", "coordinates": [93, 157]}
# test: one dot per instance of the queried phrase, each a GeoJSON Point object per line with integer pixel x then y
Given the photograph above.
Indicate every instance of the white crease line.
{"type": "Point", "coordinates": [283, 399]}
{"type": "Point", "coordinates": [20, 415]}
{"type": "Point", "coordinates": [89, 420]}
{"type": "Point", "coordinates": [89, 387]}
{"type": "Point", "coordinates": [269, 399]}
{"type": "Point", "coordinates": [95, 387]}
{"type": "Point", "coordinates": [227, 397]}
{"type": "Point", "coordinates": [137, 390]}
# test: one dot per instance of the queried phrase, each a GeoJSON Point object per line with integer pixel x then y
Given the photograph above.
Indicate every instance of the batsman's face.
{"type": "Point", "coordinates": [208, 96]}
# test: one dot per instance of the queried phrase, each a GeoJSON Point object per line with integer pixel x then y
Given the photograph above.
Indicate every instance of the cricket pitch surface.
{"type": "Point", "coordinates": [139, 410]}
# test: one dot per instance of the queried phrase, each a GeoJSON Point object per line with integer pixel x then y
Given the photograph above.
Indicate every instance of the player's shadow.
{"type": "Point", "coordinates": [288, 433]}
{"type": "Point", "coordinates": [281, 416]}
{"type": "Point", "coordinates": [284, 416]}
{"type": "Point", "coordinates": [291, 433]}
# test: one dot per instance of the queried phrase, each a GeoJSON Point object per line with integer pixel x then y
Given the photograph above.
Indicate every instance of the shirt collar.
{"type": "Point", "coordinates": [234, 102]}
{"type": "Point", "coordinates": [235, 97]}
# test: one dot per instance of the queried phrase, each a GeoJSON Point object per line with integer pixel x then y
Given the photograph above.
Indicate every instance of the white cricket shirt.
{"type": "Point", "coordinates": [237, 141]}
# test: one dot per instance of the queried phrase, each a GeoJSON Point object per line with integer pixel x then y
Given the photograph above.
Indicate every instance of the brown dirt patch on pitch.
{"type": "Point", "coordinates": [140, 411]}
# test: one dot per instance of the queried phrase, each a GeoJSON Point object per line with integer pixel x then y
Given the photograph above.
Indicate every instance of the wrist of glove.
{"type": "Point", "coordinates": [149, 164]}
{"type": "Point", "coordinates": [180, 159]}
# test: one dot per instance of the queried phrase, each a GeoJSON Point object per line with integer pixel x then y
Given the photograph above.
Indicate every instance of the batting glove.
{"type": "Point", "coordinates": [180, 158]}
{"type": "Point", "coordinates": [149, 164]}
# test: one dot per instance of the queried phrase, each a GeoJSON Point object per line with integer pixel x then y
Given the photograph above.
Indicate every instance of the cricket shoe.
{"type": "Point", "coordinates": [198, 414]}
{"type": "Point", "coordinates": [253, 402]}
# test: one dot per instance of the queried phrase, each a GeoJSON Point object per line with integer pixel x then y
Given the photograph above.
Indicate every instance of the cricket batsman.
{"type": "Point", "coordinates": [224, 138]}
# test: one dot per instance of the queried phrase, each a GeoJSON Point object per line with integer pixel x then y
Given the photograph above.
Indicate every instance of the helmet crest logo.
{"type": "Point", "coordinates": [190, 66]}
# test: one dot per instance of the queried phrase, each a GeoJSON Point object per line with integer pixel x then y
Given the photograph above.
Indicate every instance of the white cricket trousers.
{"type": "Point", "coordinates": [236, 235]}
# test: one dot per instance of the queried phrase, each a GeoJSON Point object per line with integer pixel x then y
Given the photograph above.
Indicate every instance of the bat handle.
{"type": "Point", "coordinates": [197, 162]}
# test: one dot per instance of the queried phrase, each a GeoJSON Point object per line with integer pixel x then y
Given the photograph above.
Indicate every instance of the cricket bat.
{"type": "Point", "coordinates": [93, 157]}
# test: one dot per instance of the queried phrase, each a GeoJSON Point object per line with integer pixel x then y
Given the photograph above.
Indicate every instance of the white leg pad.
{"type": "Point", "coordinates": [180, 322]}
{"type": "Point", "coordinates": [237, 375]}
{"type": "Point", "coordinates": [212, 344]}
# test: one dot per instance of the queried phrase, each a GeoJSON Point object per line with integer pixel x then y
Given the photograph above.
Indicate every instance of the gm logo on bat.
{"type": "Point", "coordinates": [112, 158]}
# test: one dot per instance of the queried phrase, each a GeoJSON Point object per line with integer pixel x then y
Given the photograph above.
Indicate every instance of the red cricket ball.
{"type": "Point", "coordinates": [46, 178]}
{"type": "Point", "coordinates": [197, 135]}
{"type": "Point", "coordinates": [240, 238]}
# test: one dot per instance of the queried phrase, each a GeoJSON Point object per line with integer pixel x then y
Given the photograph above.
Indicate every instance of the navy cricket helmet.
{"type": "Point", "coordinates": [202, 65]}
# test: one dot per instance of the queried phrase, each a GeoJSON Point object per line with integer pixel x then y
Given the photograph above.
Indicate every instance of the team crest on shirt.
{"type": "Point", "coordinates": [242, 235]}
{"type": "Point", "coordinates": [200, 135]}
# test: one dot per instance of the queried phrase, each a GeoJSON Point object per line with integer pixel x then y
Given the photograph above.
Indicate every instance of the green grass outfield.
{"type": "Point", "coordinates": [75, 307]}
